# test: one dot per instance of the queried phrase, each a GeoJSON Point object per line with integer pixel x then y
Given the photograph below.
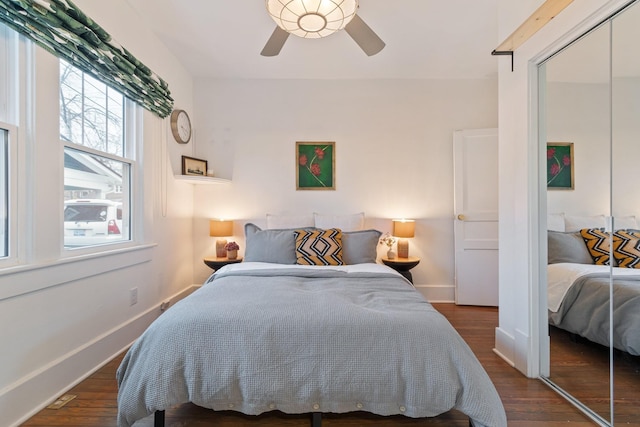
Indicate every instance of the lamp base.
{"type": "Point", "coordinates": [221, 252]}
{"type": "Point", "coordinates": [403, 248]}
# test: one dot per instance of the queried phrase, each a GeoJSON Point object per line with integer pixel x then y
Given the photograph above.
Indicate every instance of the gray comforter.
{"type": "Point", "coordinates": [305, 341]}
{"type": "Point", "coordinates": [585, 311]}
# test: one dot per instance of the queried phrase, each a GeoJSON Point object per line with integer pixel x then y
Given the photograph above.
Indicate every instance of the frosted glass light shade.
{"type": "Point", "coordinates": [312, 18]}
{"type": "Point", "coordinates": [220, 228]}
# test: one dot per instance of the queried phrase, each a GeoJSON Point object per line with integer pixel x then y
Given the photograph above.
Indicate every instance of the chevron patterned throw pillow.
{"type": "Point", "coordinates": [319, 247]}
{"type": "Point", "coordinates": [626, 248]}
{"type": "Point", "coordinates": [597, 241]}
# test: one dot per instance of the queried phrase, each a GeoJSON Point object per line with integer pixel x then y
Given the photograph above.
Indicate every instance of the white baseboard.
{"type": "Point", "coordinates": [505, 346]}
{"type": "Point", "coordinates": [26, 397]}
{"type": "Point", "coordinates": [521, 358]}
{"type": "Point", "coordinates": [437, 293]}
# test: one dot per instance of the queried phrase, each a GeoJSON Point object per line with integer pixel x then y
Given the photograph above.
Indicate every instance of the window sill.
{"type": "Point", "coordinates": [23, 279]}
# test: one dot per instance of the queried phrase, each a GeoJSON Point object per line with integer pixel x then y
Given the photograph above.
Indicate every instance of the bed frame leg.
{"type": "Point", "coordinates": [316, 419]}
{"type": "Point", "coordinates": [158, 419]}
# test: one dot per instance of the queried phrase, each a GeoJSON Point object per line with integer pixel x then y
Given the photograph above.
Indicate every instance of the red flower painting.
{"type": "Point", "coordinates": [560, 166]}
{"type": "Point", "coordinates": [315, 165]}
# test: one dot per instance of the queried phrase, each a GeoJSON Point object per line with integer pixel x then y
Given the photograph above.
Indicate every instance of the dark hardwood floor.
{"type": "Point", "coordinates": [528, 402]}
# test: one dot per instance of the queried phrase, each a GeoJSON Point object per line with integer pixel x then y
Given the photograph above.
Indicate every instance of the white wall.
{"type": "Point", "coordinates": [62, 318]}
{"type": "Point", "coordinates": [394, 156]}
{"type": "Point", "coordinates": [519, 319]}
{"type": "Point", "coordinates": [579, 113]}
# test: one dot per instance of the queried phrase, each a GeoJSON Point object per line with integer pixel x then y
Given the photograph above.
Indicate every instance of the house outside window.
{"type": "Point", "coordinates": [98, 160]}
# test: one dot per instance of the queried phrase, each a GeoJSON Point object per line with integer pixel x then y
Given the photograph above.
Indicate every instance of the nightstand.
{"type": "Point", "coordinates": [402, 265]}
{"type": "Point", "coordinates": [217, 263]}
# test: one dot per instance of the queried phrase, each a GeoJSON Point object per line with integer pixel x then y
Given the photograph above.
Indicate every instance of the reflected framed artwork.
{"type": "Point", "coordinates": [315, 165]}
{"type": "Point", "coordinates": [560, 166]}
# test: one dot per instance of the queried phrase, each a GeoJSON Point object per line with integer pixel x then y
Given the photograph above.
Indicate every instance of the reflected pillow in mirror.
{"type": "Point", "coordinates": [567, 247]}
{"type": "Point", "coordinates": [626, 248]}
{"type": "Point", "coordinates": [555, 222]}
{"type": "Point", "coordinates": [625, 222]}
{"type": "Point", "coordinates": [577, 223]}
{"type": "Point", "coordinates": [597, 241]}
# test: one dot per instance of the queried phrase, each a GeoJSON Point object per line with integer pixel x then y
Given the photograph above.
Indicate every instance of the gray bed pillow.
{"type": "Point", "coordinates": [359, 247]}
{"type": "Point", "coordinates": [272, 245]}
{"type": "Point", "coordinates": [279, 245]}
{"type": "Point", "coordinates": [567, 247]}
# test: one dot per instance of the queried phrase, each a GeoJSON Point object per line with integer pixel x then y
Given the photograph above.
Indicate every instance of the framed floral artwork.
{"type": "Point", "coordinates": [315, 165]}
{"type": "Point", "coordinates": [560, 166]}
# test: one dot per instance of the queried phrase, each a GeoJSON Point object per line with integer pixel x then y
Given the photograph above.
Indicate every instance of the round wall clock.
{"type": "Point", "coordinates": [180, 126]}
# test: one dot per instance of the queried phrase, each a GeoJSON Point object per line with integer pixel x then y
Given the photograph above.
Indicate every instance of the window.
{"type": "Point", "coordinates": [4, 194]}
{"type": "Point", "coordinates": [98, 160]}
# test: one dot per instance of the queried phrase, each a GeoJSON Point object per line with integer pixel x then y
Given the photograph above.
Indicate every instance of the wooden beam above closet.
{"type": "Point", "coordinates": [538, 19]}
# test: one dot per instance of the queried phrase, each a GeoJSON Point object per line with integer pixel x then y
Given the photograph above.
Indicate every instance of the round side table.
{"type": "Point", "coordinates": [402, 265]}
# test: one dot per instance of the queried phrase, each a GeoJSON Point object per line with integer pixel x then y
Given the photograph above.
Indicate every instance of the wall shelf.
{"type": "Point", "coordinates": [201, 179]}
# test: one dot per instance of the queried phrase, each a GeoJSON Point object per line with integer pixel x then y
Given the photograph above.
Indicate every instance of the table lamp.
{"type": "Point", "coordinates": [220, 228]}
{"type": "Point", "coordinates": [403, 228]}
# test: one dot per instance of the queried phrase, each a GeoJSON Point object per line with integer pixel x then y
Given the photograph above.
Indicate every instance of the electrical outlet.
{"type": "Point", "coordinates": [133, 296]}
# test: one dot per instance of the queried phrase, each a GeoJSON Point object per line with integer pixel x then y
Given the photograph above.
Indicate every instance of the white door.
{"type": "Point", "coordinates": [476, 216]}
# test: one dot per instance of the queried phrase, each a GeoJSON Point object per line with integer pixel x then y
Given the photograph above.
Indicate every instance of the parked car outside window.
{"type": "Point", "coordinates": [92, 222]}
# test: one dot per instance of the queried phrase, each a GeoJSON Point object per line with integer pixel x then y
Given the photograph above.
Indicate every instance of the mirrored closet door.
{"type": "Point", "coordinates": [590, 135]}
{"type": "Point", "coordinates": [625, 205]}
{"type": "Point", "coordinates": [577, 145]}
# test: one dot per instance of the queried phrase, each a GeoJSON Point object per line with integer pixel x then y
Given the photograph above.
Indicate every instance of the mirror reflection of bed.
{"type": "Point", "coordinates": [588, 94]}
{"type": "Point", "coordinates": [579, 319]}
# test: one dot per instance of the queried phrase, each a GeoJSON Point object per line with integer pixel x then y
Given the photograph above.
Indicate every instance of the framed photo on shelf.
{"type": "Point", "coordinates": [560, 166]}
{"type": "Point", "coordinates": [315, 165]}
{"type": "Point", "coordinates": [194, 167]}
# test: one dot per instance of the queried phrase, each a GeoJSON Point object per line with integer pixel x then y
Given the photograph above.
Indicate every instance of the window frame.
{"type": "Point", "coordinates": [13, 54]}
{"type": "Point", "coordinates": [11, 214]}
{"type": "Point", "coordinates": [29, 108]}
{"type": "Point", "coordinates": [131, 148]}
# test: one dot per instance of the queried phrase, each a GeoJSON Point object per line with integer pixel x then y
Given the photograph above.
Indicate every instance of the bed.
{"type": "Point", "coordinates": [579, 290]}
{"type": "Point", "coordinates": [261, 335]}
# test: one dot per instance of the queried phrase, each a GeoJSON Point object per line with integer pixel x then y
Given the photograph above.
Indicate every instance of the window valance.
{"type": "Point", "coordinates": [64, 30]}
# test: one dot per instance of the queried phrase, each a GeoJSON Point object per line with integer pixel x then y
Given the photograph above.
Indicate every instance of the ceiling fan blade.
{"type": "Point", "coordinates": [275, 42]}
{"type": "Point", "coordinates": [362, 34]}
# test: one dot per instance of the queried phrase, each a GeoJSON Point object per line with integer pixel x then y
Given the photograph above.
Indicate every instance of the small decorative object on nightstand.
{"type": "Point", "coordinates": [388, 240]}
{"type": "Point", "coordinates": [232, 250]}
{"type": "Point", "coordinates": [402, 265]}
{"type": "Point", "coordinates": [217, 263]}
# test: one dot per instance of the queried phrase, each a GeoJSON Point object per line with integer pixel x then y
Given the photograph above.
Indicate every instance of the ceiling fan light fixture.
{"type": "Point", "coordinates": [312, 18]}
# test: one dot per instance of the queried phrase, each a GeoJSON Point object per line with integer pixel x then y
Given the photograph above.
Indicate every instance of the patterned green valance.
{"type": "Point", "coordinates": [61, 28]}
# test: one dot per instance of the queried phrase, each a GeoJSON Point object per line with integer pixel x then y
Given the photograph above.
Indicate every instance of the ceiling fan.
{"type": "Point", "coordinates": [316, 19]}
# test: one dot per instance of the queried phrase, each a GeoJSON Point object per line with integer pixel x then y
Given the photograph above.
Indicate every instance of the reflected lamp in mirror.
{"type": "Point", "coordinates": [403, 229]}
{"type": "Point", "coordinates": [220, 228]}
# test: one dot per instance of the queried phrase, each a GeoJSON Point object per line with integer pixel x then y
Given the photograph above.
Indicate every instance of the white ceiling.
{"type": "Point", "coordinates": [432, 39]}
